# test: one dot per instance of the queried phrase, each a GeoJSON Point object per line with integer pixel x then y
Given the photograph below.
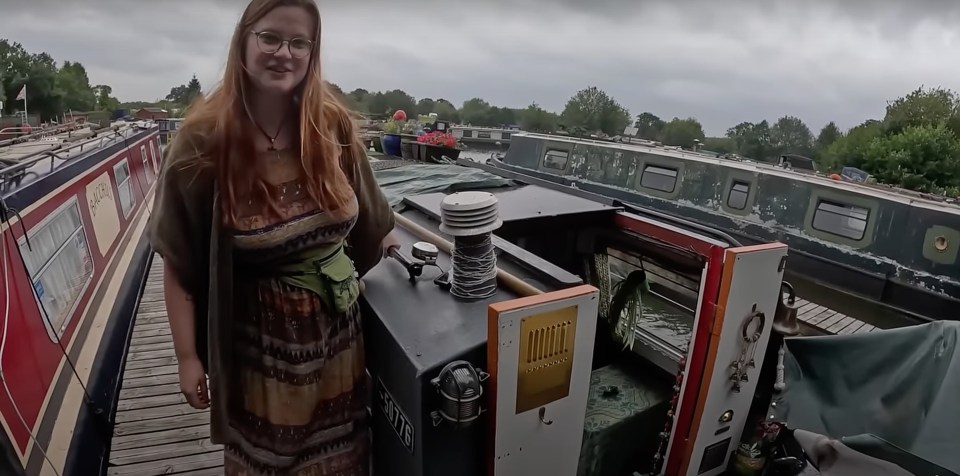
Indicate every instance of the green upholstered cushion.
{"type": "Point", "coordinates": [624, 416]}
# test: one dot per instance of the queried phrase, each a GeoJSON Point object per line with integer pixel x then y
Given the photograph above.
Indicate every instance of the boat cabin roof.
{"type": "Point", "coordinates": [877, 191]}
{"type": "Point", "coordinates": [523, 203]}
{"type": "Point", "coordinates": [27, 163]}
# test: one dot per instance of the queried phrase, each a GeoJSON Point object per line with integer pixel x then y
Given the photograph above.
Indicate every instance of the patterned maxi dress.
{"type": "Point", "coordinates": [298, 389]}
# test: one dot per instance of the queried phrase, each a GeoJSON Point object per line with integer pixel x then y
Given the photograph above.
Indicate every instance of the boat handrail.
{"type": "Point", "coordinates": [37, 134]}
{"type": "Point", "coordinates": [113, 134]}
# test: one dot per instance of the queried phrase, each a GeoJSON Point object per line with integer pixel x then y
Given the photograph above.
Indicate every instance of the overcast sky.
{"type": "Point", "coordinates": [721, 61]}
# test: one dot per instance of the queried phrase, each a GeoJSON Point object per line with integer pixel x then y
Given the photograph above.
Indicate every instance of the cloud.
{"type": "Point", "coordinates": [722, 62]}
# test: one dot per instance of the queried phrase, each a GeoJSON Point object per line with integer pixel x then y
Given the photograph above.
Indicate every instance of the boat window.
{"type": "Point", "coordinates": [146, 164]}
{"type": "Point", "coordinates": [124, 186]}
{"type": "Point", "coordinates": [848, 221]}
{"type": "Point", "coordinates": [153, 156]}
{"type": "Point", "coordinates": [737, 198]}
{"type": "Point", "coordinates": [483, 135]}
{"type": "Point", "coordinates": [556, 159]}
{"type": "Point", "coordinates": [659, 178]}
{"type": "Point", "coordinates": [505, 136]}
{"type": "Point", "coordinates": [467, 133]}
{"type": "Point", "coordinates": [59, 264]}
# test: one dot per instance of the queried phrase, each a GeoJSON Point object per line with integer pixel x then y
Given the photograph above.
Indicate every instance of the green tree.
{"type": "Point", "coordinates": [105, 102]}
{"type": "Point", "coordinates": [789, 135]}
{"type": "Point", "coordinates": [74, 85]}
{"type": "Point", "coordinates": [923, 107]}
{"type": "Point", "coordinates": [593, 110]}
{"type": "Point", "coordinates": [828, 135]}
{"type": "Point", "coordinates": [185, 94]}
{"type": "Point", "coordinates": [426, 106]}
{"type": "Point", "coordinates": [387, 103]}
{"type": "Point", "coordinates": [752, 139]}
{"type": "Point", "coordinates": [851, 149]}
{"type": "Point", "coordinates": [534, 118]}
{"type": "Point", "coordinates": [475, 111]}
{"type": "Point", "coordinates": [38, 72]}
{"type": "Point", "coordinates": [499, 117]}
{"type": "Point", "coordinates": [685, 133]}
{"type": "Point", "coordinates": [649, 126]}
{"type": "Point", "coordinates": [924, 158]}
{"type": "Point", "coordinates": [359, 100]}
{"type": "Point", "coordinates": [720, 145]}
{"type": "Point", "coordinates": [446, 110]}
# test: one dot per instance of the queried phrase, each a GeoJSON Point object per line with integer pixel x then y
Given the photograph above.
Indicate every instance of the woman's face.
{"type": "Point", "coordinates": [278, 50]}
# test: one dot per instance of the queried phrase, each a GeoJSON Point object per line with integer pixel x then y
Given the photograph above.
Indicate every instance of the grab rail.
{"type": "Point", "coordinates": [14, 171]}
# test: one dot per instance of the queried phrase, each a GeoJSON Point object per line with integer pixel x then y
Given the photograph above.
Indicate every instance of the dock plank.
{"type": "Point", "coordinates": [828, 321]}
{"type": "Point", "coordinates": [156, 432]}
{"type": "Point", "coordinates": [843, 323]}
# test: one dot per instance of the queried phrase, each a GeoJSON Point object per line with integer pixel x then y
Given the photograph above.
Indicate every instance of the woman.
{"type": "Point", "coordinates": [264, 186]}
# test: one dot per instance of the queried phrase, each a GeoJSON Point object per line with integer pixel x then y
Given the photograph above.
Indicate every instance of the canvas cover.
{"type": "Point", "coordinates": [893, 395]}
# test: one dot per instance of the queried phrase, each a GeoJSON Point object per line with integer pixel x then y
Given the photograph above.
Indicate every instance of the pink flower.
{"type": "Point", "coordinates": [400, 115]}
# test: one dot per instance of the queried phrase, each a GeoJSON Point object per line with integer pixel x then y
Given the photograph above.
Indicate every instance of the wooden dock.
{"type": "Point", "coordinates": [156, 431]}
{"type": "Point", "coordinates": [827, 321]}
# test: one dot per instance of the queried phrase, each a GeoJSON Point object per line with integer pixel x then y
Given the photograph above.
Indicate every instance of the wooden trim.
{"type": "Point", "coordinates": [673, 235]}
{"type": "Point", "coordinates": [493, 362]}
{"type": "Point", "coordinates": [697, 356]}
{"type": "Point", "coordinates": [711, 359]}
{"type": "Point", "coordinates": [505, 306]}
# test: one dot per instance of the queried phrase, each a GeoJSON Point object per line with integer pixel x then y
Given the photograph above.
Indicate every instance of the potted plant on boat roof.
{"type": "Point", "coordinates": [435, 145]}
{"type": "Point", "coordinates": [391, 133]}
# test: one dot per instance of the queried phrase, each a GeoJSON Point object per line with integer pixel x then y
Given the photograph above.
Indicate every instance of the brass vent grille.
{"type": "Point", "coordinates": [547, 342]}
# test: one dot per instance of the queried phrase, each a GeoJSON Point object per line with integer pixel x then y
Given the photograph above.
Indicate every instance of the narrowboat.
{"type": "Point", "coordinates": [872, 242]}
{"type": "Point", "coordinates": [483, 135]}
{"type": "Point", "coordinates": [612, 342]}
{"type": "Point", "coordinates": [73, 260]}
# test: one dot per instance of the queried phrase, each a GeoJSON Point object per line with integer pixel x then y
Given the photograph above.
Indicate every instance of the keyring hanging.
{"type": "Point", "coordinates": [754, 315]}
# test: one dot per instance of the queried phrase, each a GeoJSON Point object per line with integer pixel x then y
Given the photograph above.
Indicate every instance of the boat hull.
{"type": "Point", "coordinates": [71, 292]}
{"type": "Point", "coordinates": [892, 263]}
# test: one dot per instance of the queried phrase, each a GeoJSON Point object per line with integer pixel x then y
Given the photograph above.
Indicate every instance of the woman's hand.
{"type": "Point", "coordinates": [390, 241]}
{"type": "Point", "coordinates": [193, 382]}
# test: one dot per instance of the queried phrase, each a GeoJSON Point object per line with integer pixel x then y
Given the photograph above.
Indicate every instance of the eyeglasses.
{"type": "Point", "coordinates": [270, 43]}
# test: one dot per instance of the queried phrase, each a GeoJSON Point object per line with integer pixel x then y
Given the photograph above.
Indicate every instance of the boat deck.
{"type": "Point", "coordinates": [827, 321]}
{"type": "Point", "coordinates": [156, 431]}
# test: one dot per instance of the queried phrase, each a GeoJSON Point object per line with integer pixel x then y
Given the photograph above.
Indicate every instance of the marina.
{"type": "Point", "coordinates": [653, 326]}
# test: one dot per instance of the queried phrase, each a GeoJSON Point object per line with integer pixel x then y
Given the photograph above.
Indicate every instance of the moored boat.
{"type": "Point", "coordinates": [615, 342]}
{"type": "Point", "coordinates": [72, 261]}
{"type": "Point", "coordinates": [483, 135]}
{"type": "Point", "coordinates": [874, 242]}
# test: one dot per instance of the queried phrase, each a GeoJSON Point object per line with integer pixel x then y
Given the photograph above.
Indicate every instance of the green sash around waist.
{"type": "Point", "coordinates": [326, 271]}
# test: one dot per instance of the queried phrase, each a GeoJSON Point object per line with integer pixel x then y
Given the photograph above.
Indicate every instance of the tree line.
{"type": "Point", "coordinates": [54, 90]}
{"type": "Point", "coordinates": [916, 145]}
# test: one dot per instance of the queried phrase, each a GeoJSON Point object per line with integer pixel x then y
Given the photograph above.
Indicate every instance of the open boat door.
{"type": "Point", "coordinates": [539, 352]}
{"type": "Point", "coordinates": [724, 360]}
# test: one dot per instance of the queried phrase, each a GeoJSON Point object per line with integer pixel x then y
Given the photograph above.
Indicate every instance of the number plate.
{"type": "Point", "coordinates": [395, 416]}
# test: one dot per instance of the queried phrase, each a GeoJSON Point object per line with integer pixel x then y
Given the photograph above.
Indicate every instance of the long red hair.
{"type": "Point", "coordinates": [326, 128]}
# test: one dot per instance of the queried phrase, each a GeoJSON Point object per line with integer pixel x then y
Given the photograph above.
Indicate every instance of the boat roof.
{"type": "Point", "coordinates": [520, 203]}
{"type": "Point", "coordinates": [25, 163]}
{"type": "Point", "coordinates": [884, 192]}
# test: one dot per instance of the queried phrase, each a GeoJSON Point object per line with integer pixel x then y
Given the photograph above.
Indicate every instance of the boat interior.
{"type": "Point", "coordinates": [619, 341]}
